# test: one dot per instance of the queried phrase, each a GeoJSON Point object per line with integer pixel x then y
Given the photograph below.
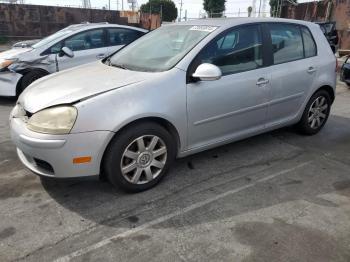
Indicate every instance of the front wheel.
{"type": "Point", "coordinates": [139, 157]}
{"type": "Point", "coordinates": [316, 113]}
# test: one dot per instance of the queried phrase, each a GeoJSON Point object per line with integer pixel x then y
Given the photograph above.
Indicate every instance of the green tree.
{"type": "Point", "coordinates": [166, 7]}
{"type": "Point", "coordinates": [275, 6]}
{"type": "Point", "coordinates": [214, 8]}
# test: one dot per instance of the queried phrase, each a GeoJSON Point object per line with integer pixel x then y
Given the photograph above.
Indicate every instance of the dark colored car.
{"type": "Point", "coordinates": [330, 32]}
{"type": "Point", "coordinates": [345, 72]}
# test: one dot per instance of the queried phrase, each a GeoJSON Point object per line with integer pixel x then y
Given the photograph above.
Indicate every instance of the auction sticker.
{"type": "Point", "coordinates": [204, 28]}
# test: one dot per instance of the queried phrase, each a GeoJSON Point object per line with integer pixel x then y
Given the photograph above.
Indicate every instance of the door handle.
{"type": "Point", "coordinates": [100, 56]}
{"type": "Point", "coordinates": [311, 70]}
{"type": "Point", "coordinates": [262, 81]}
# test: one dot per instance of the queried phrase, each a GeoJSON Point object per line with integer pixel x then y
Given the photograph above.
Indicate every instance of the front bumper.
{"type": "Point", "coordinates": [52, 155]}
{"type": "Point", "coordinates": [8, 83]}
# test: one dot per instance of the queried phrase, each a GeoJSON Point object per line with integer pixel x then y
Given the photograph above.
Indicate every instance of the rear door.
{"type": "Point", "coordinates": [119, 37]}
{"type": "Point", "coordinates": [293, 71]}
{"type": "Point", "coordinates": [88, 46]}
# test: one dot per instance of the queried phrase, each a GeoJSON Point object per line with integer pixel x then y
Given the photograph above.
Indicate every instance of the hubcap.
{"type": "Point", "coordinates": [318, 112]}
{"type": "Point", "coordinates": [143, 159]}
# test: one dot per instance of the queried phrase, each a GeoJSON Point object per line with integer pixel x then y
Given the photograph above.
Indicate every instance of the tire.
{"type": "Point", "coordinates": [348, 85]}
{"type": "Point", "coordinates": [136, 166]}
{"type": "Point", "coordinates": [316, 113]}
{"type": "Point", "coordinates": [29, 78]}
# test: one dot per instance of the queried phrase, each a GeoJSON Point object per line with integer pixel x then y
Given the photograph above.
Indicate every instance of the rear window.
{"type": "Point", "coordinates": [287, 43]}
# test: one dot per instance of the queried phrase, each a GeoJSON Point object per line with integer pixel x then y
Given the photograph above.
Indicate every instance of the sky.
{"type": "Point", "coordinates": [194, 7]}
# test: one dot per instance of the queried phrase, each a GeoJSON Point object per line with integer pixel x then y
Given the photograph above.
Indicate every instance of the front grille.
{"type": "Point", "coordinates": [44, 165]}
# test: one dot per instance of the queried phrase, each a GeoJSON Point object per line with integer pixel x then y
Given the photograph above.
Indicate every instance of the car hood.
{"type": "Point", "coordinates": [13, 53]}
{"type": "Point", "coordinates": [77, 84]}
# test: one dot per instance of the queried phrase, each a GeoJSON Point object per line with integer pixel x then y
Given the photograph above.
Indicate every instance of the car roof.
{"type": "Point", "coordinates": [84, 26]}
{"type": "Point", "coordinates": [229, 22]}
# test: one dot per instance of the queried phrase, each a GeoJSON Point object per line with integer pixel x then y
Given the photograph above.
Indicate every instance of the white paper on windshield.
{"type": "Point", "coordinates": [203, 28]}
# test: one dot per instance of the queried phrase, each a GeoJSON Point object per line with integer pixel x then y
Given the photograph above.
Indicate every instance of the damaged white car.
{"type": "Point", "coordinates": [72, 46]}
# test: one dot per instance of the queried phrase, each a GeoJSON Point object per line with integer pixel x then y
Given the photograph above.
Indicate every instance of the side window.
{"type": "Point", "coordinates": [237, 51]}
{"type": "Point", "coordinates": [287, 43]}
{"type": "Point", "coordinates": [122, 36]}
{"type": "Point", "coordinates": [86, 40]}
{"type": "Point", "coordinates": [309, 43]}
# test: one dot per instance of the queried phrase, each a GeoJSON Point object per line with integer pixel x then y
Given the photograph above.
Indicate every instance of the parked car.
{"type": "Point", "coordinates": [345, 72]}
{"type": "Point", "coordinates": [330, 31]}
{"type": "Point", "coordinates": [19, 67]}
{"type": "Point", "coordinates": [128, 116]}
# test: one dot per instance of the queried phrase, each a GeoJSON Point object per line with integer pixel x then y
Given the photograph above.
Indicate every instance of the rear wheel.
{"type": "Point", "coordinates": [316, 113]}
{"type": "Point", "coordinates": [29, 78]}
{"type": "Point", "coordinates": [139, 157]}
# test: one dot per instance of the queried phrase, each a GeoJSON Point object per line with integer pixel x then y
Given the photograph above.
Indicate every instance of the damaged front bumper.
{"type": "Point", "coordinates": [8, 83]}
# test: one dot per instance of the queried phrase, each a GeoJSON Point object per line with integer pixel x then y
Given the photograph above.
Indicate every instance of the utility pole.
{"type": "Point", "coordinates": [122, 5]}
{"type": "Point", "coordinates": [180, 18]}
{"type": "Point", "coordinates": [259, 8]}
{"type": "Point", "coordinates": [117, 5]}
{"type": "Point", "coordinates": [109, 5]}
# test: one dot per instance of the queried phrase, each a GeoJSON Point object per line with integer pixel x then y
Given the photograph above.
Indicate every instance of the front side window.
{"type": "Point", "coordinates": [287, 43]}
{"type": "Point", "coordinates": [309, 43]}
{"type": "Point", "coordinates": [86, 40]}
{"type": "Point", "coordinates": [236, 51]}
{"type": "Point", "coordinates": [161, 49]}
{"type": "Point", "coordinates": [122, 36]}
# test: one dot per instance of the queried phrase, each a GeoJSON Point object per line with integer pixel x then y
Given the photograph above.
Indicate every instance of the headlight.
{"type": "Point", "coordinates": [55, 120]}
{"type": "Point", "coordinates": [6, 63]}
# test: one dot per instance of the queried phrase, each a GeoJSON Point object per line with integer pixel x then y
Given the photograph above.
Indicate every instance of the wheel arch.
{"type": "Point", "coordinates": [26, 71]}
{"type": "Point", "coordinates": [329, 90]}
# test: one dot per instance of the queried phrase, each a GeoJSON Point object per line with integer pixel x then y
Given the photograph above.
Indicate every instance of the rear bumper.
{"type": "Point", "coordinates": [52, 155]}
{"type": "Point", "coordinates": [8, 83]}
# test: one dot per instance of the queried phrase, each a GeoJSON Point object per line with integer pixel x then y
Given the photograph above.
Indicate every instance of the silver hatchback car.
{"type": "Point", "coordinates": [179, 90]}
{"type": "Point", "coordinates": [72, 46]}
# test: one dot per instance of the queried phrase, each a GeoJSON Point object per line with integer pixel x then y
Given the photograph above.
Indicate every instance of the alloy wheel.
{"type": "Point", "coordinates": [143, 159]}
{"type": "Point", "coordinates": [318, 112]}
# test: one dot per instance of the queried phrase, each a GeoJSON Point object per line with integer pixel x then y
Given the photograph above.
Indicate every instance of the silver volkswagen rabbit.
{"type": "Point", "coordinates": [176, 91]}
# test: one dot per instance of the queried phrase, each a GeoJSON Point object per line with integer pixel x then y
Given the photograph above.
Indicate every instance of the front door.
{"type": "Point", "coordinates": [237, 103]}
{"type": "Point", "coordinates": [87, 46]}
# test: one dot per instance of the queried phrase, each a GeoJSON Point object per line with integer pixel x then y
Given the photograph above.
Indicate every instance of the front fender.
{"type": "Point", "coordinates": [161, 97]}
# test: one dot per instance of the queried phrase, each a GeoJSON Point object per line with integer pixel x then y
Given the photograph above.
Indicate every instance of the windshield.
{"type": "Point", "coordinates": [53, 37]}
{"type": "Point", "coordinates": [161, 49]}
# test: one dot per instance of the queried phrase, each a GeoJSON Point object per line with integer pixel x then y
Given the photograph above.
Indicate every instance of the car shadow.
{"type": "Point", "coordinates": [206, 174]}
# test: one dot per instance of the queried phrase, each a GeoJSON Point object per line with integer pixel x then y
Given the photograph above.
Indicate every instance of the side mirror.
{"type": "Point", "coordinates": [208, 72]}
{"type": "Point", "coordinates": [65, 51]}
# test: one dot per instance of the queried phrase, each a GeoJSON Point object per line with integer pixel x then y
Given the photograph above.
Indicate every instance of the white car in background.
{"type": "Point", "coordinates": [72, 46]}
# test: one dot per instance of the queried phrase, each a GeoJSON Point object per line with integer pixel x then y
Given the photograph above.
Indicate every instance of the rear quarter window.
{"type": "Point", "coordinates": [309, 43]}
